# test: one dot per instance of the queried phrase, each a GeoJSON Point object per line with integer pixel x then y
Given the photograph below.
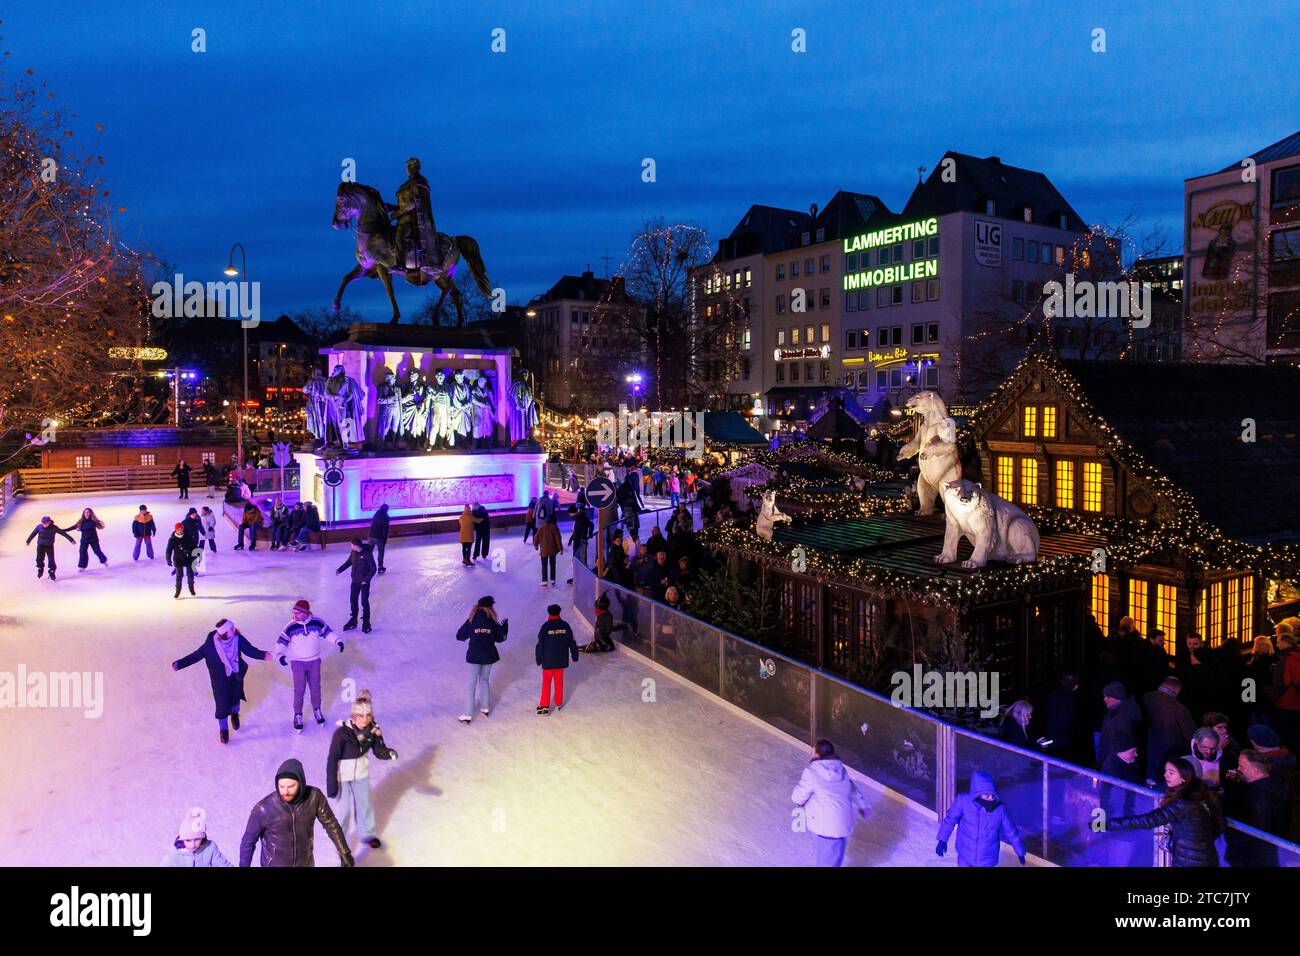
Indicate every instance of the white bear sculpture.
{"type": "Point", "coordinates": [768, 516]}
{"type": "Point", "coordinates": [935, 444]}
{"type": "Point", "coordinates": [997, 529]}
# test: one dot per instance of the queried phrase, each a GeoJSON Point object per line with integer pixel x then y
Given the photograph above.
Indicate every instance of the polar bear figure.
{"type": "Point", "coordinates": [768, 516]}
{"type": "Point", "coordinates": [997, 529]}
{"type": "Point", "coordinates": [935, 443]}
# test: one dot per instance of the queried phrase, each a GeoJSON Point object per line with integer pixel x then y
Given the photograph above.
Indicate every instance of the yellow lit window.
{"type": "Point", "coordinates": [1216, 614]}
{"type": "Point", "coordinates": [1007, 478]}
{"type": "Point", "coordinates": [1234, 608]}
{"type": "Point", "coordinates": [1049, 421]}
{"type": "Point", "coordinates": [1029, 481]}
{"type": "Point", "coordinates": [1065, 484]}
{"type": "Point", "coordinates": [1247, 608]}
{"type": "Point", "coordinates": [1101, 601]}
{"type": "Point", "coordinates": [1201, 606]}
{"type": "Point", "coordinates": [1137, 604]}
{"type": "Point", "coordinates": [1167, 613]}
{"type": "Point", "coordinates": [1092, 486]}
{"type": "Point", "coordinates": [1031, 421]}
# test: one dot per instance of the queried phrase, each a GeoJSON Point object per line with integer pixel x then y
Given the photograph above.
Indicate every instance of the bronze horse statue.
{"type": "Point", "coordinates": [378, 252]}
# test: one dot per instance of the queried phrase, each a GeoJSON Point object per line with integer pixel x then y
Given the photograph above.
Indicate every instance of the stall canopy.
{"type": "Point", "coordinates": [730, 428]}
{"type": "Point", "coordinates": [835, 425]}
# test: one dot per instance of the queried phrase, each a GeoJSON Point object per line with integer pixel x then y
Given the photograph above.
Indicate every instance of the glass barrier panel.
{"type": "Point", "coordinates": [686, 646]}
{"type": "Point", "coordinates": [1245, 846]}
{"type": "Point", "coordinates": [1018, 779]}
{"type": "Point", "coordinates": [1078, 805]}
{"type": "Point", "coordinates": [775, 690]}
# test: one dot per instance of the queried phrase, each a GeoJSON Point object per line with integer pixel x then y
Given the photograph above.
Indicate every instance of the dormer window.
{"type": "Point", "coordinates": [806, 238]}
{"type": "Point", "coordinates": [1029, 213]}
{"type": "Point", "coordinates": [821, 235]}
{"type": "Point", "coordinates": [990, 207]}
{"type": "Point", "coordinates": [1062, 221]}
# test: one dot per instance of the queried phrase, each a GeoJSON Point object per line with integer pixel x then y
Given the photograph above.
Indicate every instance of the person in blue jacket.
{"type": "Point", "coordinates": [555, 645]}
{"type": "Point", "coordinates": [192, 846]}
{"type": "Point", "coordinates": [983, 822]}
{"type": "Point", "coordinates": [483, 631]}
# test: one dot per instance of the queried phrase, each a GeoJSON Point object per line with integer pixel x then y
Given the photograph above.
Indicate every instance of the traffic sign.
{"type": "Point", "coordinates": [334, 476]}
{"type": "Point", "coordinates": [600, 492]}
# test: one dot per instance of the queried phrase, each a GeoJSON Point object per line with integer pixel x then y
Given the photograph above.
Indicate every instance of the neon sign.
{"type": "Point", "coordinates": [813, 352]}
{"type": "Point", "coordinates": [892, 275]}
{"type": "Point", "coordinates": [887, 237]}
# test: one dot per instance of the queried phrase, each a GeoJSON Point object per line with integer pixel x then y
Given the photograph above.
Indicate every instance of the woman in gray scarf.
{"type": "Point", "coordinates": [224, 650]}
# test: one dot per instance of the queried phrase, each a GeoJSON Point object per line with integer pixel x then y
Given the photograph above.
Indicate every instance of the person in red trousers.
{"type": "Point", "coordinates": [555, 646]}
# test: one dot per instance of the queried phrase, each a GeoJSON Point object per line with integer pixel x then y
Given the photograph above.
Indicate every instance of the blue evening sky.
{"type": "Point", "coordinates": [537, 152]}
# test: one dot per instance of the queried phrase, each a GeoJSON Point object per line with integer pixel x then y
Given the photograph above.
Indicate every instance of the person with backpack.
{"type": "Point", "coordinates": [143, 530]}
{"type": "Point", "coordinates": [482, 632]}
{"type": "Point", "coordinates": [1190, 810]}
{"type": "Point", "coordinates": [828, 797]}
{"type": "Point", "coordinates": [983, 823]}
{"type": "Point", "coordinates": [555, 645]}
{"type": "Point", "coordinates": [362, 563]}
{"type": "Point", "coordinates": [44, 534]}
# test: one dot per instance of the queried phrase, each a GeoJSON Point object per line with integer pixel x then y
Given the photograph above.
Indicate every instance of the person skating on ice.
{"type": "Point", "coordinates": [466, 525]}
{"type": "Point", "coordinates": [299, 648]}
{"type": "Point", "coordinates": [482, 532]}
{"type": "Point", "coordinates": [284, 822]}
{"type": "Point", "coordinates": [604, 627]}
{"type": "Point", "coordinates": [482, 631]}
{"type": "Point", "coordinates": [209, 527]}
{"type": "Point", "coordinates": [182, 475]}
{"type": "Point", "coordinates": [555, 645]}
{"type": "Point", "coordinates": [44, 534]}
{"type": "Point", "coordinates": [983, 822]}
{"type": "Point", "coordinates": [548, 542]}
{"type": "Point", "coordinates": [362, 564]}
{"type": "Point", "coordinates": [180, 558]}
{"type": "Point", "coordinates": [192, 846]}
{"type": "Point", "coordinates": [379, 535]}
{"type": "Point", "coordinates": [143, 530]}
{"type": "Point", "coordinates": [193, 526]}
{"type": "Point", "coordinates": [347, 769]}
{"type": "Point", "coordinates": [829, 798]}
{"type": "Point", "coordinates": [224, 651]}
{"type": "Point", "coordinates": [88, 527]}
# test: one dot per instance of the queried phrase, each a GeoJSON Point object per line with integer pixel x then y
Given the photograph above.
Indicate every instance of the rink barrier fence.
{"type": "Point", "coordinates": [918, 756]}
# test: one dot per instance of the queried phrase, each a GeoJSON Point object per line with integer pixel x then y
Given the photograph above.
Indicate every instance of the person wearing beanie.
{"type": "Point", "coordinates": [362, 563]}
{"type": "Point", "coordinates": [604, 627]}
{"type": "Point", "coordinates": [828, 796]}
{"type": "Point", "coordinates": [482, 632]}
{"type": "Point", "coordinates": [180, 557]}
{"type": "Point", "coordinates": [44, 534]}
{"type": "Point", "coordinates": [1266, 742]}
{"type": "Point", "coordinates": [983, 823]}
{"type": "Point", "coordinates": [224, 651]}
{"type": "Point", "coordinates": [1118, 801]}
{"type": "Point", "coordinates": [193, 526]}
{"type": "Point", "coordinates": [379, 535]}
{"type": "Point", "coordinates": [347, 769]}
{"type": "Point", "coordinates": [192, 846]}
{"type": "Point", "coordinates": [1121, 722]}
{"type": "Point", "coordinates": [248, 525]}
{"type": "Point", "coordinates": [299, 647]}
{"type": "Point", "coordinates": [143, 530]}
{"type": "Point", "coordinates": [555, 645]}
{"type": "Point", "coordinates": [284, 822]}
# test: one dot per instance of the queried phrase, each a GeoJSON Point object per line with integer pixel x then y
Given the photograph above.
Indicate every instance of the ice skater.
{"type": "Point", "coordinates": [828, 797]}
{"type": "Point", "coordinates": [379, 535]}
{"type": "Point", "coordinates": [362, 564]}
{"type": "Point", "coordinates": [483, 631]}
{"type": "Point", "coordinates": [466, 527]}
{"type": "Point", "coordinates": [88, 527]}
{"type": "Point", "coordinates": [224, 651]}
{"type": "Point", "coordinates": [44, 534]}
{"type": "Point", "coordinates": [603, 627]}
{"type": "Point", "coordinates": [482, 531]}
{"type": "Point", "coordinates": [180, 557]}
{"type": "Point", "coordinates": [347, 769]}
{"type": "Point", "coordinates": [210, 478]}
{"type": "Point", "coordinates": [548, 543]}
{"type": "Point", "coordinates": [555, 645]}
{"type": "Point", "coordinates": [209, 520]}
{"type": "Point", "coordinates": [182, 475]}
{"type": "Point", "coordinates": [193, 526]}
{"type": "Point", "coordinates": [192, 846]}
{"type": "Point", "coordinates": [530, 519]}
{"type": "Point", "coordinates": [983, 822]}
{"type": "Point", "coordinates": [299, 647]}
{"type": "Point", "coordinates": [284, 822]}
{"type": "Point", "coordinates": [143, 530]}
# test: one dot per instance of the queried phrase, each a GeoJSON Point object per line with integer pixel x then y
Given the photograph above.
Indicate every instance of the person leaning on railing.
{"type": "Point", "coordinates": [1190, 810]}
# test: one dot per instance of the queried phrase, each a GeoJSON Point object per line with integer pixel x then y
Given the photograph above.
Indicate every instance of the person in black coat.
{"type": "Point", "coordinates": [182, 475]}
{"type": "Point", "coordinates": [616, 568]}
{"type": "Point", "coordinates": [580, 536]}
{"type": "Point", "coordinates": [1257, 797]}
{"type": "Point", "coordinates": [210, 478]}
{"type": "Point", "coordinates": [1060, 729]}
{"type": "Point", "coordinates": [193, 525]}
{"type": "Point", "coordinates": [1121, 723]}
{"type": "Point", "coordinates": [347, 769]}
{"type": "Point", "coordinates": [555, 645]}
{"type": "Point", "coordinates": [44, 534]}
{"type": "Point", "coordinates": [379, 535]}
{"type": "Point", "coordinates": [1192, 813]}
{"type": "Point", "coordinates": [284, 821]}
{"type": "Point", "coordinates": [180, 557]}
{"type": "Point", "coordinates": [482, 531]}
{"type": "Point", "coordinates": [362, 563]}
{"type": "Point", "coordinates": [88, 527]}
{"type": "Point", "coordinates": [224, 651]}
{"type": "Point", "coordinates": [482, 631]}
{"type": "Point", "coordinates": [1169, 726]}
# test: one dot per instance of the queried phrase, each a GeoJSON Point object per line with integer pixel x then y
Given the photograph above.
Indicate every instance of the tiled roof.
{"type": "Point", "coordinates": [977, 180]}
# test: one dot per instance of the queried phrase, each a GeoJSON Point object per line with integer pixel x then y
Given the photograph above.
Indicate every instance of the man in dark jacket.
{"type": "Point", "coordinates": [1169, 727]}
{"type": "Point", "coordinates": [362, 564]}
{"type": "Point", "coordinates": [1120, 724]}
{"type": "Point", "coordinates": [182, 475]}
{"type": "Point", "coordinates": [616, 569]}
{"type": "Point", "coordinates": [482, 532]}
{"type": "Point", "coordinates": [555, 645]}
{"type": "Point", "coordinates": [44, 534]}
{"type": "Point", "coordinates": [1257, 797]}
{"type": "Point", "coordinates": [1152, 663]}
{"type": "Point", "coordinates": [580, 535]}
{"type": "Point", "coordinates": [210, 478]}
{"type": "Point", "coordinates": [1058, 718]}
{"type": "Point", "coordinates": [180, 557]}
{"type": "Point", "coordinates": [379, 535]}
{"type": "Point", "coordinates": [284, 822]}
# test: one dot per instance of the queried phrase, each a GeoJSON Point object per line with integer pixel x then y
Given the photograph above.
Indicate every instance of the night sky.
{"type": "Point", "coordinates": [537, 152]}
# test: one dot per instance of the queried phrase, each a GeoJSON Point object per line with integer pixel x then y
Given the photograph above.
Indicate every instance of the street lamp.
{"type": "Point", "coordinates": [230, 270]}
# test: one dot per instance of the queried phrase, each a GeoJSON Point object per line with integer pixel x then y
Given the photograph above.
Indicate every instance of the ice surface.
{"type": "Point", "coordinates": [610, 780]}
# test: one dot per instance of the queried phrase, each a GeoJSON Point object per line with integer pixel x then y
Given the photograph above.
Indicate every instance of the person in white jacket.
{"type": "Point", "coordinates": [828, 797]}
{"type": "Point", "coordinates": [298, 647]}
{"type": "Point", "coordinates": [209, 520]}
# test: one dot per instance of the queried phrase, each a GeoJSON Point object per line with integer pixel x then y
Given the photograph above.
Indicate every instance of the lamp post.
{"type": "Point", "coordinates": [230, 270]}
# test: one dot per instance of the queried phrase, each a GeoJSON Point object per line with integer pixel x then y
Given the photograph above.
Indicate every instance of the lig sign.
{"type": "Point", "coordinates": [782, 355]}
{"type": "Point", "coordinates": [894, 274]}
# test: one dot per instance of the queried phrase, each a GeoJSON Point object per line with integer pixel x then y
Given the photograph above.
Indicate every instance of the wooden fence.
{"type": "Point", "coordinates": [65, 481]}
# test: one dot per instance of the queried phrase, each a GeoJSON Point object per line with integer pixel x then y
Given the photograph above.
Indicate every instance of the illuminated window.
{"type": "Point", "coordinates": [1006, 478]}
{"type": "Point", "coordinates": [1137, 603]}
{"type": "Point", "coordinates": [1101, 601]}
{"type": "Point", "coordinates": [1031, 421]}
{"type": "Point", "coordinates": [82, 461]}
{"type": "Point", "coordinates": [1216, 614]}
{"type": "Point", "coordinates": [208, 458]}
{"type": "Point", "coordinates": [1234, 608]}
{"type": "Point", "coordinates": [1029, 481]}
{"type": "Point", "coordinates": [1065, 484]}
{"type": "Point", "coordinates": [1201, 606]}
{"type": "Point", "coordinates": [1167, 613]}
{"type": "Point", "coordinates": [1247, 608]}
{"type": "Point", "coordinates": [1049, 421]}
{"type": "Point", "coordinates": [1092, 486]}
{"type": "Point", "coordinates": [148, 459]}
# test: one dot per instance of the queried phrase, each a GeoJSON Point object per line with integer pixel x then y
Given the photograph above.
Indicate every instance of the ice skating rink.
{"type": "Point", "coordinates": [609, 781]}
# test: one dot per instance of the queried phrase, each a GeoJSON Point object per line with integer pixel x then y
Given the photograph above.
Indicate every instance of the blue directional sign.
{"type": "Point", "coordinates": [334, 476]}
{"type": "Point", "coordinates": [600, 492]}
